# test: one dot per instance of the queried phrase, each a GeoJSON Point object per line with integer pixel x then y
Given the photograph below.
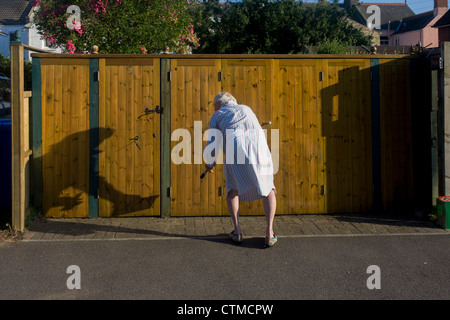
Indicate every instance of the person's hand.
{"type": "Point", "coordinates": [210, 169]}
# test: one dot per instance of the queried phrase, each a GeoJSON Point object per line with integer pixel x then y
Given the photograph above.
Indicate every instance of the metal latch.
{"type": "Point", "coordinates": [147, 111]}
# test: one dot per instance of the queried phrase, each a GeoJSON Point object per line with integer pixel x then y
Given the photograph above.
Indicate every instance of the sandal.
{"type": "Point", "coordinates": [237, 238]}
{"type": "Point", "coordinates": [270, 242]}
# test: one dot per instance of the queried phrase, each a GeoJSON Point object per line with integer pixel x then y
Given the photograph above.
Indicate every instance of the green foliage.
{"type": "Point", "coordinates": [332, 47]}
{"type": "Point", "coordinates": [117, 26]}
{"type": "Point", "coordinates": [272, 26]}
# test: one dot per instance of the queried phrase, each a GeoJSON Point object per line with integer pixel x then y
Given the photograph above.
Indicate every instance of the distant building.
{"type": "Point", "coordinates": [16, 15]}
{"type": "Point", "coordinates": [391, 15]}
{"type": "Point", "coordinates": [443, 26]}
{"type": "Point", "coordinates": [419, 28]}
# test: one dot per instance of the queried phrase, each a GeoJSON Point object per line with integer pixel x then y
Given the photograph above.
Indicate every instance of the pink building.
{"type": "Point", "coordinates": [391, 14]}
{"type": "Point", "coordinates": [419, 28]}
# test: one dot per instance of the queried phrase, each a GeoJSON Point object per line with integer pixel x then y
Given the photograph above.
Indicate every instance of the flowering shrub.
{"type": "Point", "coordinates": [117, 26]}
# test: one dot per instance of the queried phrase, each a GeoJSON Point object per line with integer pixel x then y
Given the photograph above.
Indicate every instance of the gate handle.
{"type": "Point", "coordinates": [136, 142]}
{"type": "Point", "coordinates": [147, 111]}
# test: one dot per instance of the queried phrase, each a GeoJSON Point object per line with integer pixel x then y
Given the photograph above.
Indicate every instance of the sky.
{"type": "Point", "coordinates": [418, 6]}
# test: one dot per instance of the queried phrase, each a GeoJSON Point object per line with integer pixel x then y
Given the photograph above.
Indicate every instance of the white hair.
{"type": "Point", "coordinates": [224, 98]}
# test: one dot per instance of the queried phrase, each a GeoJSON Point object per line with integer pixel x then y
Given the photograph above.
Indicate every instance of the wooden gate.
{"type": "Point", "coordinates": [341, 132]}
{"type": "Point", "coordinates": [65, 137]}
{"type": "Point", "coordinates": [194, 84]}
{"type": "Point", "coordinates": [129, 137]}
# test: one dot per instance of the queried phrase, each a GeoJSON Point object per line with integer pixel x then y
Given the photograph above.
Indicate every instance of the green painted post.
{"type": "Point", "coordinates": [36, 163]}
{"type": "Point", "coordinates": [165, 138]}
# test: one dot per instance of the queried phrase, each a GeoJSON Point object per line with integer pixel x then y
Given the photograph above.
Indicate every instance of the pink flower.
{"type": "Point", "coordinates": [70, 47]}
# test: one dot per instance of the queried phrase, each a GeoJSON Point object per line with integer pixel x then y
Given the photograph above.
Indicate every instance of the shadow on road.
{"type": "Point", "coordinates": [61, 229]}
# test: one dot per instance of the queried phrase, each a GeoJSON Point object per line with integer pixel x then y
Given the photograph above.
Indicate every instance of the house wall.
{"type": "Point", "coordinates": [428, 36]}
{"type": "Point", "coordinates": [30, 37]}
{"type": "Point", "coordinates": [4, 41]}
{"type": "Point", "coordinates": [407, 38]}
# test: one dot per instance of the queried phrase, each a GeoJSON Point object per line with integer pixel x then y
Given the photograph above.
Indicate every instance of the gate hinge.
{"type": "Point", "coordinates": [169, 76]}
{"type": "Point", "coordinates": [96, 76]}
{"type": "Point", "coordinates": [322, 190]}
{"type": "Point", "coordinates": [169, 192]}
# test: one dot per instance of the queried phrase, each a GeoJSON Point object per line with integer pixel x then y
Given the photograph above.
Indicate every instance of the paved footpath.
{"type": "Point", "coordinates": [252, 226]}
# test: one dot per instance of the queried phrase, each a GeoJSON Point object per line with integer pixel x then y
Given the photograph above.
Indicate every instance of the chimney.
{"type": "Point", "coordinates": [440, 7]}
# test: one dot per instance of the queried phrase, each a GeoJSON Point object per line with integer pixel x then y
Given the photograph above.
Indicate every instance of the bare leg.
{"type": "Point", "coordinates": [233, 209]}
{"type": "Point", "coordinates": [270, 204]}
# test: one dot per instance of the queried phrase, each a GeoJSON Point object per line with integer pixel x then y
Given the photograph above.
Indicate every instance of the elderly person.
{"type": "Point", "coordinates": [248, 162]}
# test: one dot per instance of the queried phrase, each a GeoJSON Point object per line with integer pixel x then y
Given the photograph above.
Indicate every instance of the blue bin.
{"type": "Point", "coordinates": [5, 165]}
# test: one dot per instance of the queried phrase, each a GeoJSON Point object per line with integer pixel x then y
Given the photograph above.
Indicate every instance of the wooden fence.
{"type": "Point", "coordinates": [103, 125]}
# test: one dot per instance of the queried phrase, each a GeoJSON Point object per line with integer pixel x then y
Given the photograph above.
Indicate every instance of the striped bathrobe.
{"type": "Point", "coordinates": [248, 163]}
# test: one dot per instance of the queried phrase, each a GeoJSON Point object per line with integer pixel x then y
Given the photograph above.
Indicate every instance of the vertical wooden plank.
{"type": "Point", "coordinates": [165, 138]}
{"type": "Point", "coordinates": [206, 109]}
{"type": "Point", "coordinates": [305, 140]}
{"type": "Point", "coordinates": [62, 133]}
{"type": "Point", "coordinates": [196, 151]}
{"type": "Point", "coordinates": [155, 189]}
{"type": "Point", "coordinates": [70, 120]}
{"type": "Point", "coordinates": [322, 66]}
{"type": "Point", "coordinates": [124, 144]}
{"type": "Point", "coordinates": [365, 140]}
{"type": "Point", "coordinates": [376, 138]}
{"type": "Point", "coordinates": [17, 121]}
{"type": "Point", "coordinates": [279, 122]}
{"type": "Point", "coordinates": [289, 136]}
{"type": "Point", "coordinates": [131, 149]}
{"type": "Point", "coordinates": [189, 125]}
{"type": "Point", "coordinates": [103, 121]}
{"type": "Point", "coordinates": [140, 169]}
{"type": "Point", "coordinates": [332, 145]}
{"type": "Point", "coordinates": [313, 79]}
{"type": "Point", "coordinates": [111, 176]}
{"type": "Point", "coordinates": [57, 139]}
{"type": "Point", "coordinates": [48, 124]}
{"type": "Point", "coordinates": [346, 115]}
{"type": "Point", "coordinates": [93, 137]}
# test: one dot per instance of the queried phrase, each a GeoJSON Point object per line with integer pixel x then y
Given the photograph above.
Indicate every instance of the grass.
{"type": "Point", "coordinates": [8, 232]}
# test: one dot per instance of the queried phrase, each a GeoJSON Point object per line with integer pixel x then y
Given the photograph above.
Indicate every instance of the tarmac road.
{"type": "Point", "coordinates": [298, 267]}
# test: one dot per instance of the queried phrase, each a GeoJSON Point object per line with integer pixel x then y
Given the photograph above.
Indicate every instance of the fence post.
{"type": "Point", "coordinates": [434, 136]}
{"type": "Point", "coordinates": [18, 149]}
{"type": "Point", "coordinates": [376, 135]}
{"type": "Point", "coordinates": [36, 167]}
{"type": "Point", "coordinates": [444, 122]}
{"type": "Point", "coordinates": [93, 137]}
